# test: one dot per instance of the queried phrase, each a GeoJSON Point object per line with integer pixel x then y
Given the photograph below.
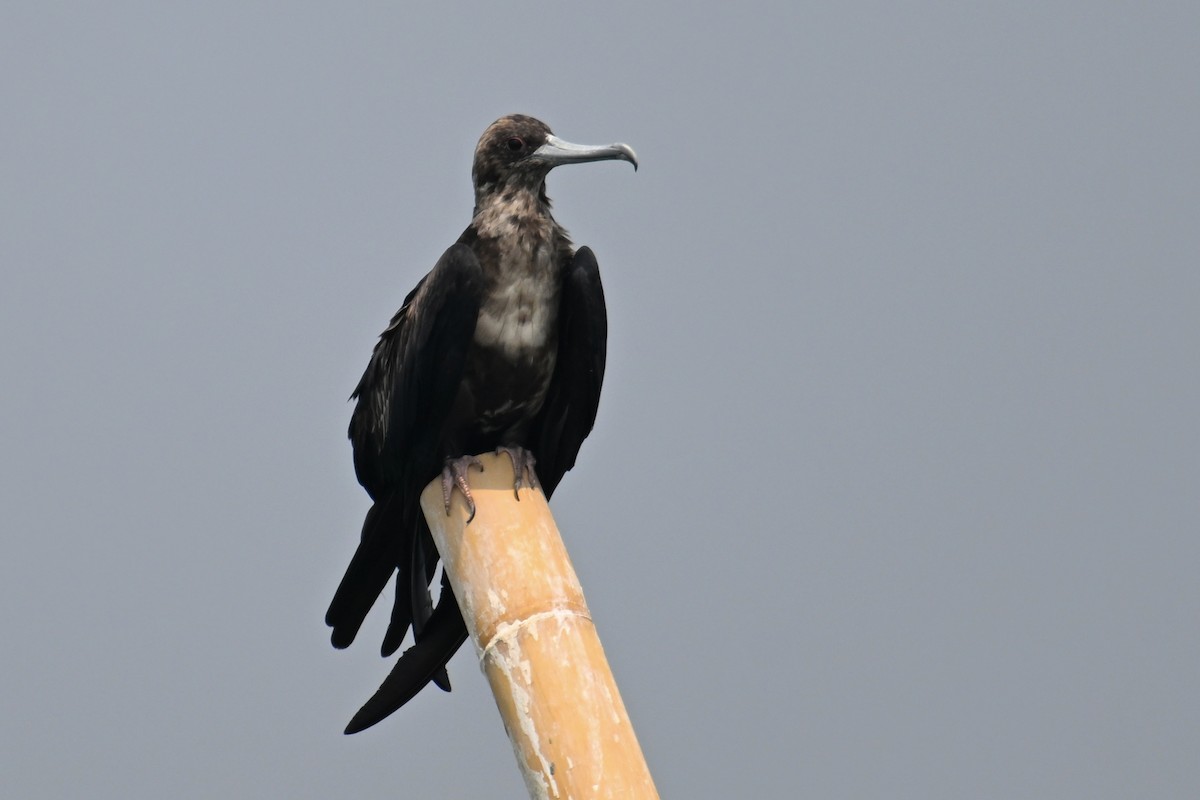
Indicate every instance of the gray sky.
{"type": "Point", "coordinates": [895, 487]}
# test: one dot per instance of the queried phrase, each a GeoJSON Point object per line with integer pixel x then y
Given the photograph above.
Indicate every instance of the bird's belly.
{"type": "Point", "coordinates": [507, 393]}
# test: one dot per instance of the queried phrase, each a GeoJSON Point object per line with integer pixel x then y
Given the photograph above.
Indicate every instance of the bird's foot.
{"type": "Point", "coordinates": [455, 474]}
{"type": "Point", "coordinates": [523, 462]}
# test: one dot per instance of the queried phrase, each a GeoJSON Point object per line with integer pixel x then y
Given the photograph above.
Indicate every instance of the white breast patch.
{"type": "Point", "coordinates": [519, 312]}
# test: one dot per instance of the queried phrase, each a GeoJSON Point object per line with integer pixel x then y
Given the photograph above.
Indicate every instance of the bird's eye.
{"type": "Point", "coordinates": [516, 144]}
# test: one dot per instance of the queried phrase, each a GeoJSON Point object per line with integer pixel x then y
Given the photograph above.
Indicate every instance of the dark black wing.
{"type": "Point", "coordinates": [404, 398]}
{"type": "Point", "coordinates": [569, 411]}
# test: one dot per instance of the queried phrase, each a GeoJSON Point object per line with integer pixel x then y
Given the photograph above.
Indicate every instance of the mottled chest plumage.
{"type": "Point", "coordinates": [521, 252]}
{"type": "Point", "coordinates": [520, 249]}
{"type": "Point", "coordinates": [519, 308]}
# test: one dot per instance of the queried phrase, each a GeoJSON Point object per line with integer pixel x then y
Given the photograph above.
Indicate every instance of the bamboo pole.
{"type": "Point", "coordinates": [534, 636]}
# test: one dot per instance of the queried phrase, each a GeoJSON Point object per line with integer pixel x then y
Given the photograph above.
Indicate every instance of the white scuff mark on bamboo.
{"type": "Point", "coordinates": [541, 782]}
{"type": "Point", "coordinates": [612, 704]}
{"type": "Point", "coordinates": [496, 601]}
{"type": "Point", "coordinates": [508, 631]}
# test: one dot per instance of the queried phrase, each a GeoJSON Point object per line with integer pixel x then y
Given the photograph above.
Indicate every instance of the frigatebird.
{"type": "Point", "coordinates": [500, 347]}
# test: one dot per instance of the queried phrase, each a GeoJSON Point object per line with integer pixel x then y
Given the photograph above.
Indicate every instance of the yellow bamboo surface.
{"type": "Point", "coordinates": [536, 642]}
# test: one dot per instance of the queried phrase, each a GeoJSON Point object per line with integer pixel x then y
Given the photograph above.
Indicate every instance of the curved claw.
{"type": "Point", "coordinates": [523, 462]}
{"type": "Point", "coordinates": [455, 474]}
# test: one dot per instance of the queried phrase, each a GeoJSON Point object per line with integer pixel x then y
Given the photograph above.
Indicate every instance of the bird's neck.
{"type": "Point", "coordinates": [498, 210]}
{"type": "Point", "coordinates": [515, 225]}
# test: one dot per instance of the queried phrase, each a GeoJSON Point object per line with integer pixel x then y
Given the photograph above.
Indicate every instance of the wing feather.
{"type": "Point", "coordinates": [404, 398]}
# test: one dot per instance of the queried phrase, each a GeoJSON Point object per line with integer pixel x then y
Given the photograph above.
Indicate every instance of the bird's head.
{"type": "Point", "coordinates": [518, 151]}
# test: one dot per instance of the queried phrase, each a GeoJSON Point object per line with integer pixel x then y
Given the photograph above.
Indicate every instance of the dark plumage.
{"type": "Point", "coordinates": [501, 346]}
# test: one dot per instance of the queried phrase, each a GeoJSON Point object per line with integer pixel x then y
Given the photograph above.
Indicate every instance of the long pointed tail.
{"type": "Point", "coordinates": [444, 633]}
